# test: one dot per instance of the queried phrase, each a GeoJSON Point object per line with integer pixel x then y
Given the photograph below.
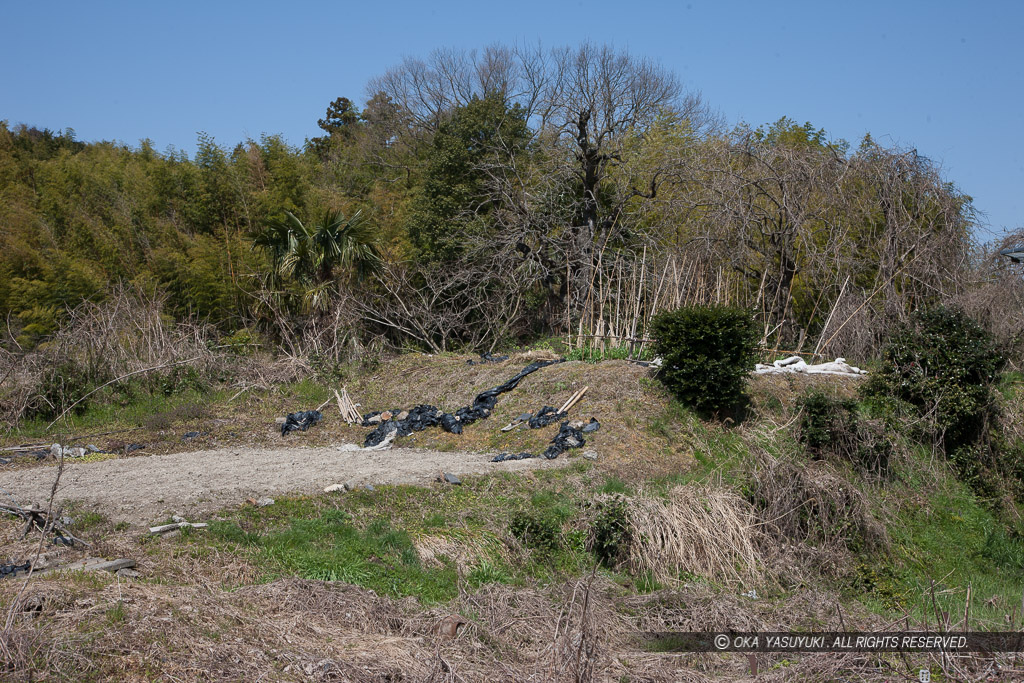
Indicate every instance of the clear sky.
{"type": "Point", "coordinates": [944, 77]}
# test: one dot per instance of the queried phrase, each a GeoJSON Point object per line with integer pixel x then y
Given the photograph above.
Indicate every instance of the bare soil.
{"type": "Point", "coordinates": [145, 489]}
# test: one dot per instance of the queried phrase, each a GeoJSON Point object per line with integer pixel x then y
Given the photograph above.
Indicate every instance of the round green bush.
{"type": "Point", "coordinates": [707, 353]}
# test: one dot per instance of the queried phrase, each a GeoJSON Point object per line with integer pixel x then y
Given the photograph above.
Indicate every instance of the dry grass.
{"type": "Point", "coordinates": [125, 336]}
{"type": "Point", "coordinates": [810, 504]}
{"type": "Point", "coordinates": [700, 530]}
{"type": "Point", "coordinates": [305, 630]}
{"type": "Point", "coordinates": [464, 550]}
{"type": "Point", "coordinates": [773, 395]}
{"type": "Point", "coordinates": [620, 397]}
{"type": "Point", "coordinates": [293, 630]}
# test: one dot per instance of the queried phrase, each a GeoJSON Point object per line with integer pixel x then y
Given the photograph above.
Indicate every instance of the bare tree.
{"type": "Point", "coordinates": [444, 308]}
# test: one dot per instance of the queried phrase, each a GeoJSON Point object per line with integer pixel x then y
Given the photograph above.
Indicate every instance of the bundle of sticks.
{"type": "Point", "coordinates": [347, 408]}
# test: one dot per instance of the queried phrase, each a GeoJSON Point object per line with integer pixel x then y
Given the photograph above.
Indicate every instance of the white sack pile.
{"type": "Point", "coordinates": [797, 364]}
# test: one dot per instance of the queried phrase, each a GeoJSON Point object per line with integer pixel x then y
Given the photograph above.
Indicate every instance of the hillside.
{"type": "Point", "coordinates": [547, 568]}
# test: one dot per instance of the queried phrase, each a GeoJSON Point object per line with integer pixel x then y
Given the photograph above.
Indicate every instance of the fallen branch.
{"type": "Point", "coordinates": [38, 518]}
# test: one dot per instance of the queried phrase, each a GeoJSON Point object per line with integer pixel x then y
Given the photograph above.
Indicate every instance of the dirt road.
{"type": "Point", "coordinates": [146, 489]}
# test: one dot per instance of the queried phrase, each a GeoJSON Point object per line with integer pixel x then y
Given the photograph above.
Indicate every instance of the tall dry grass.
{"type": "Point", "coordinates": [702, 530]}
{"type": "Point", "coordinates": [809, 502]}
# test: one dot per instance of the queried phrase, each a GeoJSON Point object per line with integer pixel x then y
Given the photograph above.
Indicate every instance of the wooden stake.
{"type": "Point", "coordinates": [341, 407]}
{"type": "Point", "coordinates": [356, 417]}
{"type": "Point", "coordinates": [569, 401]}
{"type": "Point", "coordinates": [573, 400]}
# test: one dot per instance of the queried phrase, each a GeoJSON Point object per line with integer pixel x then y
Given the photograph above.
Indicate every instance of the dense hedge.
{"type": "Point", "coordinates": [707, 352]}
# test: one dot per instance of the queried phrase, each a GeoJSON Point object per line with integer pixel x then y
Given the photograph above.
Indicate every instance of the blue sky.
{"type": "Point", "coordinates": [946, 78]}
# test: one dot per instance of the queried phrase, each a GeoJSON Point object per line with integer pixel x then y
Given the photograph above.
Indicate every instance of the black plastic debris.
{"type": "Point", "coordinates": [419, 418]}
{"type": "Point", "coordinates": [487, 357]}
{"type": "Point", "coordinates": [591, 426]}
{"type": "Point", "coordinates": [300, 421]}
{"type": "Point", "coordinates": [132, 447]}
{"type": "Point", "coordinates": [485, 401]}
{"type": "Point", "coordinates": [14, 569]}
{"type": "Point", "coordinates": [5, 461]}
{"type": "Point", "coordinates": [422, 417]}
{"type": "Point", "coordinates": [568, 437]}
{"type": "Point", "coordinates": [451, 424]}
{"type": "Point", "coordinates": [503, 457]}
{"type": "Point", "coordinates": [192, 435]}
{"type": "Point", "coordinates": [546, 416]}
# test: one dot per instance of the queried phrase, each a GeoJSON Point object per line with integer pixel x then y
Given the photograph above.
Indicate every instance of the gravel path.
{"type": "Point", "coordinates": [146, 489]}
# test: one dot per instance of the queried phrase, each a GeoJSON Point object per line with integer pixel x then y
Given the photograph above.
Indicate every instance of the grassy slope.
{"type": "Point", "coordinates": [438, 542]}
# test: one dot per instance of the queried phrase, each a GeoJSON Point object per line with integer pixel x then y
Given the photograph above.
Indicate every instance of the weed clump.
{"type": "Point", "coordinates": [832, 427]}
{"type": "Point", "coordinates": [702, 531]}
{"type": "Point", "coordinates": [707, 352]}
{"type": "Point", "coordinates": [810, 503]}
{"type": "Point", "coordinates": [539, 530]}
{"type": "Point", "coordinates": [611, 534]}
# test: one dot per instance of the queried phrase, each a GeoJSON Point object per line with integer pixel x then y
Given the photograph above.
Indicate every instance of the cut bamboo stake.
{"type": "Point", "coordinates": [356, 417]}
{"type": "Point", "coordinates": [573, 400]}
{"type": "Point", "coordinates": [576, 400]}
{"type": "Point", "coordinates": [821, 335]}
{"type": "Point", "coordinates": [567, 401]}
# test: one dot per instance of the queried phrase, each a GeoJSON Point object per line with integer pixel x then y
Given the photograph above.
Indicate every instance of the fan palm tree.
{"type": "Point", "coordinates": [317, 256]}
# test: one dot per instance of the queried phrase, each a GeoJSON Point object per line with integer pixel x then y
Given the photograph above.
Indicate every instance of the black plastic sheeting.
{"type": "Point", "coordinates": [13, 569]}
{"type": "Point", "coordinates": [487, 357]}
{"type": "Point", "coordinates": [568, 437]}
{"type": "Point", "coordinates": [300, 421]}
{"type": "Point", "coordinates": [546, 416]}
{"type": "Point", "coordinates": [422, 417]}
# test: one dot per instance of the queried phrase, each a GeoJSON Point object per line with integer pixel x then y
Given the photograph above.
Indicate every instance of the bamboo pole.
{"type": "Point", "coordinates": [573, 400]}
{"type": "Point", "coordinates": [835, 305]}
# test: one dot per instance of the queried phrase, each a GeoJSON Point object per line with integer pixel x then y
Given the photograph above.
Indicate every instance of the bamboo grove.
{"type": "Point", "coordinates": [481, 198]}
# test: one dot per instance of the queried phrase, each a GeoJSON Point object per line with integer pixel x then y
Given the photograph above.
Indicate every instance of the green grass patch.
{"type": "Point", "coordinates": [940, 548]}
{"type": "Point", "coordinates": [108, 414]}
{"type": "Point", "coordinates": [593, 354]}
{"type": "Point", "coordinates": [331, 548]}
{"type": "Point", "coordinates": [367, 537]}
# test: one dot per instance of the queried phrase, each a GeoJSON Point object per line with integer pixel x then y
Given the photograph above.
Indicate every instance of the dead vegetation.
{"type": "Point", "coordinates": [203, 615]}
{"type": "Point", "coordinates": [810, 506]}
{"type": "Point", "coordinates": [127, 336]}
{"type": "Point", "coordinates": [704, 531]}
{"type": "Point", "coordinates": [296, 630]}
{"type": "Point", "coordinates": [314, 631]}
